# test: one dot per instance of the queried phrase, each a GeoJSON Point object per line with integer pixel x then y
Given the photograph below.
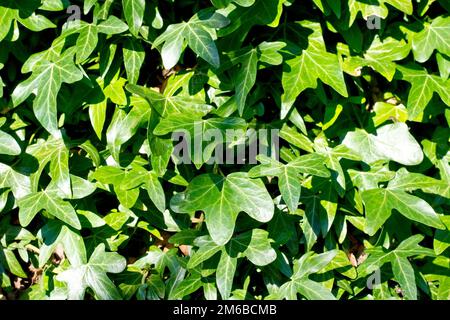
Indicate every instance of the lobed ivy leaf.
{"type": "Point", "coordinates": [380, 202]}
{"type": "Point", "coordinates": [222, 198]}
{"type": "Point", "coordinates": [308, 65]}
{"type": "Point", "coordinates": [92, 274]}
{"type": "Point", "coordinates": [48, 77]}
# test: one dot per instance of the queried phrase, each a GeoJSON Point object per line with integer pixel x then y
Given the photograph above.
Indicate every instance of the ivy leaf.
{"type": "Point", "coordinates": [55, 152]}
{"type": "Point", "coordinates": [269, 52]}
{"type": "Point", "coordinates": [134, 56]}
{"type": "Point", "coordinates": [126, 184]}
{"type": "Point", "coordinates": [225, 274]}
{"type": "Point", "coordinates": [8, 145]}
{"type": "Point", "coordinates": [197, 32]}
{"type": "Point", "coordinates": [404, 274]}
{"type": "Point", "coordinates": [313, 290]}
{"type": "Point", "coordinates": [380, 56]}
{"type": "Point", "coordinates": [31, 204]}
{"type": "Point", "coordinates": [147, 179]}
{"type": "Point", "coordinates": [333, 157]}
{"type": "Point", "coordinates": [255, 245]}
{"type": "Point", "coordinates": [207, 249]}
{"type": "Point", "coordinates": [203, 131]}
{"type": "Point", "coordinates": [222, 199]}
{"type": "Point", "coordinates": [245, 78]}
{"type": "Point", "coordinates": [409, 181]}
{"type": "Point", "coordinates": [288, 175]}
{"type": "Point", "coordinates": [308, 65]}
{"type": "Point", "coordinates": [404, 149]}
{"type": "Point", "coordinates": [54, 233]}
{"type": "Point", "coordinates": [297, 139]}
{"type": "Point", "coordinates": [47, 78]}
{"type": "Point", "coordinates": [124, 125]}
{"type": "Point", "coordinates": [377, 8]}
{"type": "Point", "coordinates": [19, 183]}
{"type": "Point", "coordinates": [12, 12]}
{"type": "Point", "coordinates": [380, 202]}
{"type": "Point", "coordinates": [366, 180]}
{"type": "Point", "coordinates": [442, 237]}
{"type": "Point", "coordinates": [423, 85]}
{"type": "Point", "coordinates": [308, 264]}
{"type": "Point", "coordinates": [173, 44]}
{"type": "Point", "coordinates": [443, 62]}
{"type": "Point", "coordinates": [386, 111]}
{"type": "Point", "coordinates": [171, 105]}
{"type": "Point", "coordinates": [112, 25]}
{"type": "Point", "coordinates": [93, 275]}
{"type": "Point", "coordinates": [134, 14]}
{"type": "Point", "coordinates": [86, 42]}
{"type": "Point", "coordinates": [187, 286]}
{"type": "Point", "coordinates": [88, 35]}
{"type": "Point", "coordinates": [201, 42]}
{"type": "Point", "coordinates": [401, 267]}
{"type": "Point", "coordinates": [435, 35]}
{"type": "Point", "coordinates": [88, 4]}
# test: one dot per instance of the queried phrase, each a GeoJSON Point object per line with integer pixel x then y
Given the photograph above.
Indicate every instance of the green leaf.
{"type": "Point", "coordinates": [47, 77]}
{"type": "Point", "coordinates": [225, 274]}
{"type": "Point", "coordinates": [404, 274]}
{"type": "Point", "coordinates": [12, 263]}
{"type": "Point", "coordinates": [201, 42]}
{"type": "Point", "coordinates": [54, 233]}
{"type": "Point", "coordinates": [409, 181]}
{"type": "Point", "coordinates": [435, 35]}
{"type": "Point", "coordinates": [297, 139]}
{"type": "Point", "coordinates": [443, 65]}
{"type": "Point", "coordinates": [124, 125]}
{"type": "Point", "coordinates": [311, 263]}
{"type": "Point", "coordinates": [423, 85]}
{"type": "Point", "coordinates": [207, 248]}
{"type": "Point", "coordinates": [377, 8]}
{"type": "Point", "coordinates": [307, 66]}
{"type": "Point", "coordinates": [442, 237]}
{"type": "Point", "coordinates": [245, 78]}
{"type": "Point", "coordinates": [88, 4]}
{"type": "Point", "coordinates": [288, 175]}
{"type": "Point", "coordinates": [173, 40]}
{"type": "Point", "coordinates": [134, 14]}
{"type": "Point", "coordinates": [133, 55]}
{"type": "Point", "coordinates": [31, 204]}
{"type": "Point", "coordinates": [187, 286]}
{"type": "Point", "coordinates": [97, 115]}
{"type": "Point", "coordinates": [86, 42]}
{"type": "Point", "coordinates": [255, 245]}
{"type": "Point", "coordinates": [171, 105]}
{"type": "Point", "coordinates": [313, 290]}
{"type": "Point", "coordinates": [392, 142]}
{"type": "Point", "coordinates": [380, 56]}
{"type": "Point", "coordinates": [93, 275]}
{"type": "Point", "coordinates": [380, 202]}
{"type": "Point", "coordinates": [222, 199]}
{"type": "Point", "coordinates": [8, 145]}
{"type": "Point", "coordinates": [199, 130]}
{"type": "Point", "coordinates": [366, 180]}
{"type": "Point", "coordinates": [386, 111]}
{"type": "Point", "coordinates": [56, 152]}
{"type": "Point", "coordinates": [19, 183]}
{"type": "Point", "coordinates": [112, 25]}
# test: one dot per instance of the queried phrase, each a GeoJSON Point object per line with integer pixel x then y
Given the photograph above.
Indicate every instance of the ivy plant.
{"type": "Point", "coordinates": [224, 149]}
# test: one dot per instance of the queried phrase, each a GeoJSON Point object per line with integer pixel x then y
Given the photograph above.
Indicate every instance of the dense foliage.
{"type": "Point", "coordinates": [95, 203]}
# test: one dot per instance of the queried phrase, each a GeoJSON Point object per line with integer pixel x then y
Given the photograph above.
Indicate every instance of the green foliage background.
{"type": "Point", "coordinates": [93, 206]}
